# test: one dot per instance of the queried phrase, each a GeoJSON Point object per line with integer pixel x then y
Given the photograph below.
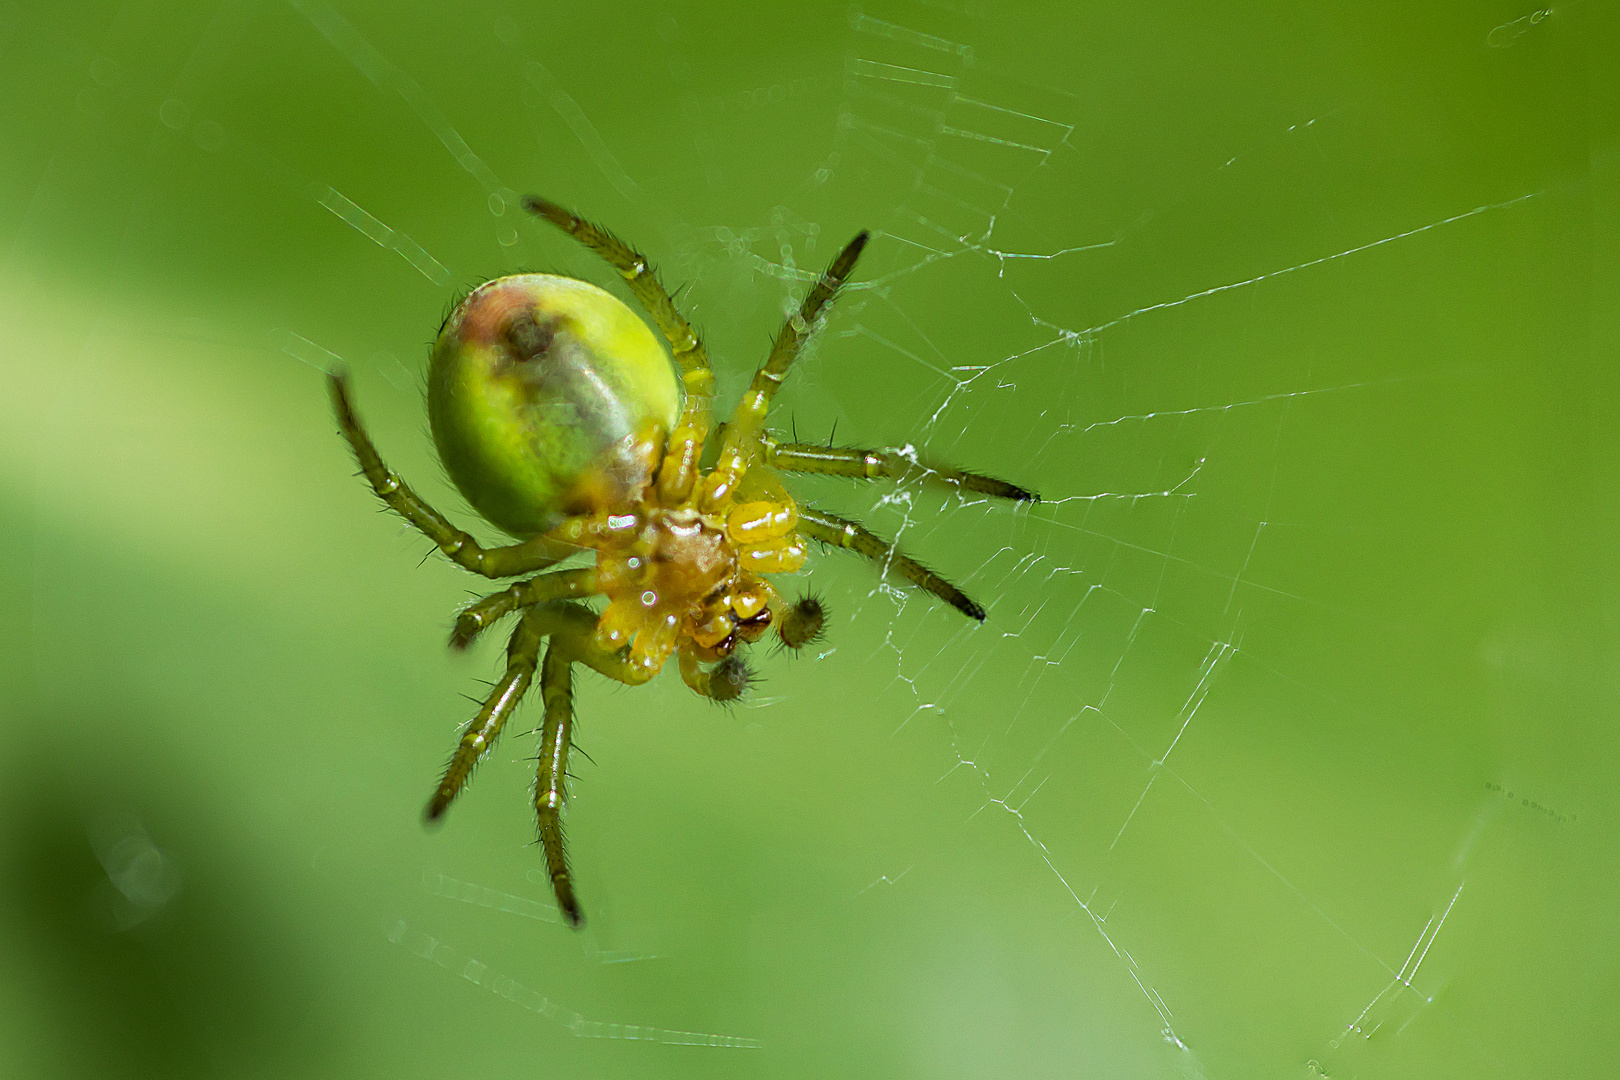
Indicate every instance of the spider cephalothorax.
{"type": "Point", "coordinates": [557, 414]}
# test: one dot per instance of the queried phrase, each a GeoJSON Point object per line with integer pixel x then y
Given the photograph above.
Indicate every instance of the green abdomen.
{"type": "Point", "coordinates": [536, 387]}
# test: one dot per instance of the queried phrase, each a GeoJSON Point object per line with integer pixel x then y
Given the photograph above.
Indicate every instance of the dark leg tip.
{"type": "Point", "coordinates": [566, 902]}
{"type": "Point", "coordinates": [1000, 489]}
{"type": "Point", "coordinates": [846, 259]}
{"type": "Point", "coordinates": [337, 385]}
{"type": "Point", "coordinates": [547, 209]}
{"type": "Point", "coordinates": [970, 609]}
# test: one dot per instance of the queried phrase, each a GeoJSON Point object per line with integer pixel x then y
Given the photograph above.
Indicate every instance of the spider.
{"type": "Point", "coordinates": [559, 417]}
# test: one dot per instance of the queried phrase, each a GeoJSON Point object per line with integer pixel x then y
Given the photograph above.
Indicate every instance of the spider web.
{"type": "Point", "coordinates": [1238, 776]}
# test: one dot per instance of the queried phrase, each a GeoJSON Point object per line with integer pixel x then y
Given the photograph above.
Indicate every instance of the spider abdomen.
{"type": "Point", "coordinates": [544, 394]}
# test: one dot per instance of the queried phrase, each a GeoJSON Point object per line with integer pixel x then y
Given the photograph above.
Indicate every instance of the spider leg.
{"type": "Point", "coordinates": [739, 450]}
{"type": "Point", "coordinates": [557, 585]}
{"type": "Point", "coordinates": [460, 547]}
{"type": "Point", "coordinates": [885, 464]}
{"type": "Point", "coordinates": [569, 625]}
{"type": "Point", "coordinates": [522, 652]}
{"type": "Point", "coordinates": [831, 529]}
{"type": "Point", "coordinates": [686, 441]}
{"type": "Point", "coordinates": [637, 274]}
{"type": "Point", "coordinates": [551, 782]}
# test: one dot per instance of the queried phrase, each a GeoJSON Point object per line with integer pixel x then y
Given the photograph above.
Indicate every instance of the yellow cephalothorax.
{"type": "Point", "coordinates": [558, 415]}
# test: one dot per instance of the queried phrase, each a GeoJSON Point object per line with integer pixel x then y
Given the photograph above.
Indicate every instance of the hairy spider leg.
{"type": "Point", "coordinates": [856, 537]}
{"type": "Point", "coordinates": [741, 447]}
{"type": "Point", "coordinates": [680, 466]}
{"type": "Point", "coordinates": [797, 457]}
{"type": "Point", "coordinates": [522, 653]}
{"type": "Point", "coordinates": [551, 779]}
{"type": "Point", "coordinates": [569, 626]}
{"type": "Point", "coordinates": [556, 585]}
{"type": "Point", "coordinates": [460, 547]}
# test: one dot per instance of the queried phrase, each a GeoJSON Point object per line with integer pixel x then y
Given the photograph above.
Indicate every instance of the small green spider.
{"type": "Point", "coordinates": [557, 414]}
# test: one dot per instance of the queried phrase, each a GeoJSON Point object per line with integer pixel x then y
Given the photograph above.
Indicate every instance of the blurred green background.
{"type": "Point", "coordinates": [1288, 749]}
